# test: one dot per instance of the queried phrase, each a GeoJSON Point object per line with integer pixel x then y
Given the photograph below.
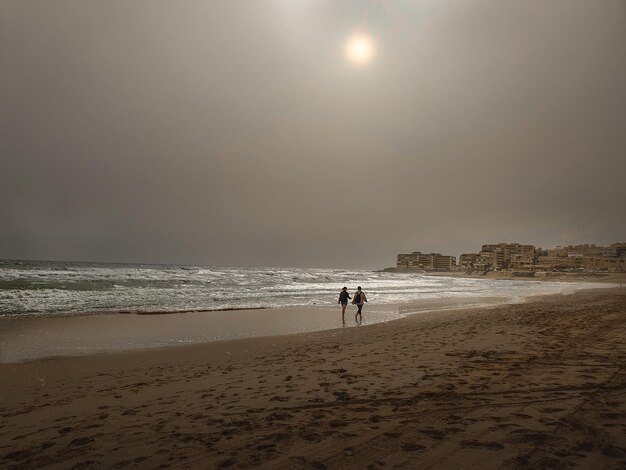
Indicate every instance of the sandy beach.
{"type": "Point", "coordinates": [534, 385]}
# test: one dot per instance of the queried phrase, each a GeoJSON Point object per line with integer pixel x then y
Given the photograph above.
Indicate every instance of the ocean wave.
{"type": "Point", "coordinates": [55, 287]}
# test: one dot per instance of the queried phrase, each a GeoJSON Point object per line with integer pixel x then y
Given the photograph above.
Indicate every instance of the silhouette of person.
{"type": "Point", "coordinates": [343, 300]}
{"type": "Point", "coordinates": [359, 299]}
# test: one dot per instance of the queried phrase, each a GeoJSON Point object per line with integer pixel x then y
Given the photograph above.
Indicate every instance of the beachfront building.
{"type": "Point", "coordinates": [442, 262]}
{"type": "Point", "coordinates": [505, 255]}
{"type": "Point", "coordinates": [508, 255]}
{"type": "Point", "coordinates": [425, 261]}
{"type": "Point", "coordinates": [491, 259]}
{"type": "Point", "coordinates": [500, 256]}
{"type": "Point", "coordinates": [415, 260]}
{"type": "Point", "coordinates": [523, 262]}
{"type": "Point", "coordinates": [584, 258]}
{"type": "Point", "coordinates": [468, 260]}
{"type": "Point", "coordinates": [480, 262]}
{"type": "Point", "coordinates": [610, 264]}
{"type": "Point", "coordinates": [522, 258]}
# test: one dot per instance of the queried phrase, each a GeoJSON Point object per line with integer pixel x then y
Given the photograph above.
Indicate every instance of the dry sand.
{"type": "Point", "coordinates": [535, 385]}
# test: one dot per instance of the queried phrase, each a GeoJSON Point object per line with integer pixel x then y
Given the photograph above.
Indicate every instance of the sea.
{"type": "Point", "coordinates": [51, 288]}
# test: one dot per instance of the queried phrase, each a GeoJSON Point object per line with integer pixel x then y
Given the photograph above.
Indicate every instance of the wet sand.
{"type": "Point", "coordinates": [26, 337]}
{"type": "Point", "coordinates": [534, 385]}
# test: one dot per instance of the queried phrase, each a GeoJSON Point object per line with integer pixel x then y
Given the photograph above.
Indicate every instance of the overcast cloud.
{"type": "Point", "coordinates": [237, 133]}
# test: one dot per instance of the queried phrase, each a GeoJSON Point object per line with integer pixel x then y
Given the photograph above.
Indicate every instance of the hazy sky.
{"type": "Point", "coordinates": [236, 132]}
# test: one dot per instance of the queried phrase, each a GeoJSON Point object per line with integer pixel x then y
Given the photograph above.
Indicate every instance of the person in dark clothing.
{"type": "Point", "coordinates": [358, 300]}
{"type": "Point", "coordinates": [343, 300]}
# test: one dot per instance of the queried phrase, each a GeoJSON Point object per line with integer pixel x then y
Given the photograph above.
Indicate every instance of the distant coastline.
{"type": "Point", "coordinates": [521, 261]}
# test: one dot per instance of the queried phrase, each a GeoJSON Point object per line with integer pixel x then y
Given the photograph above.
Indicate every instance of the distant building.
{"type": "Point", "coordinates": [443, 262]}
{"type": "Point", "coordinates": [613, 264]}
{"type": "Point", "coordinates": [469, 260]}
{"type": "Point", "coordinates": [425, 261]}
{"type": "Point", "coordinates": [505, 255]}
{"type": "Point", "coordinates": [520, 257]}
{"type": "Point", "coordinates": [584, 257]}
{"type": "Point", "coordinates": [620, 249]}
{"type": "Point", "coordinates": [415, 260]}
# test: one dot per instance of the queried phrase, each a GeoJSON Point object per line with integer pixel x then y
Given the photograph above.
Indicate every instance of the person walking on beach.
{"type": "Point", "coordinates": [343, 300]}
{"type": "Point", "coordinates": [358, 300]}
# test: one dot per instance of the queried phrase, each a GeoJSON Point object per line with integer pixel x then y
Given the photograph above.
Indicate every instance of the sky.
{"type": "Point", "coordinates": [238, 132]}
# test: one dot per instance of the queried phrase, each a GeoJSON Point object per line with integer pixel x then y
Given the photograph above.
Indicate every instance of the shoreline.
{"type": "Point", "coordinates": [533, 385]}
{"type": "Point", "coordinates": [32, 337]}
{"type": "Point", "coordinates": [35, 338]}
{"type": "Point", "coordinates": [610, 278]}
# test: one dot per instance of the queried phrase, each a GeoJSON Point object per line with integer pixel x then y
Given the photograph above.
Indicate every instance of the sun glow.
{"type": "Point", "coordinates": [360, 49]}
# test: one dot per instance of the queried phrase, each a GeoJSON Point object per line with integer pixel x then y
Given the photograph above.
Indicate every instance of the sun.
{"type": "Point", "coordinates": [360, 48]}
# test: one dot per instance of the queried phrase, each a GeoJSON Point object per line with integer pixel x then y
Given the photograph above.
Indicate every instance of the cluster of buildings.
{"type": "Point", "coordinates": [519, 257]}
{"type": "Point", "coordinates": [426, 261]}
{"type": "Point", "coordinates": [500, 256]}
